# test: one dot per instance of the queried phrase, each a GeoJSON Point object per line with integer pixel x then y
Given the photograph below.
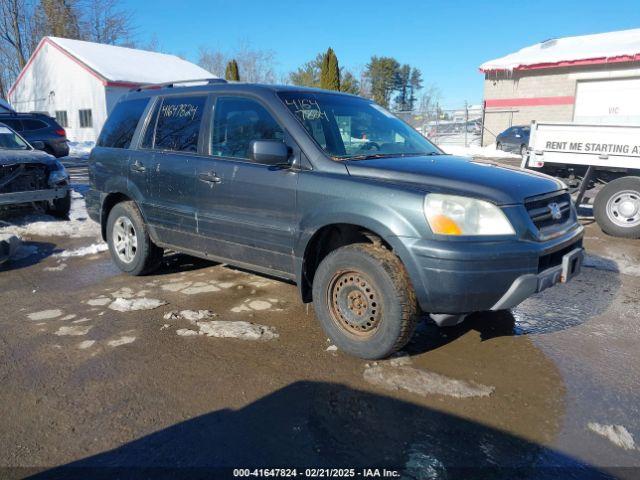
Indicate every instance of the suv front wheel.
{"type": "Point", "coordinates": [129, 244]}
{"type": "Point", "coordinates": [364, 300]}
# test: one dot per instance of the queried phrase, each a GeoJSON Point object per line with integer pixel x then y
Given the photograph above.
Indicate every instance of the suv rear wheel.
{"type": "Point", "coordinates": [131, 248]}
{"type": "Point", "coordinates": [364, 300]}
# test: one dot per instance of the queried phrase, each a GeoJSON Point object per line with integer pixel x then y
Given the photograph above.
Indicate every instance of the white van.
{"type": "Point", "coordinates": [590, 156]}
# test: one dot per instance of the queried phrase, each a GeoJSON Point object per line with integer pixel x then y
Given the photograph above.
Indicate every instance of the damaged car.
{"type": "Point", "coordinates": [30, 177]}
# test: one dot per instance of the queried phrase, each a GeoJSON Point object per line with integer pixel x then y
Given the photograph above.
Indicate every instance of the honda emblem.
{"type": "Point", "coordinates": [554, 210]}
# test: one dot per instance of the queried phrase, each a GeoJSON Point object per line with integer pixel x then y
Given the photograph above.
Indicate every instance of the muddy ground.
{"type": "Point", "coordinates": [550, 390]}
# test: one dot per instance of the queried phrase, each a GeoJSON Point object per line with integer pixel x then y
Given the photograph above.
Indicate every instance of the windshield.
{"type": "Point", "coordinates": [354, 128]}
{"type": "Point", "coordinates": [10, 140]}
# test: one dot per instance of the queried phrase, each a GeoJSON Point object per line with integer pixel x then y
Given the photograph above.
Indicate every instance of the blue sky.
{"type": "Point", "coordinates": [446, 39]}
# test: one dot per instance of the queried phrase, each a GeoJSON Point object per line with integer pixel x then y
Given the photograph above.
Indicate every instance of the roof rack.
{"type": "Point", "coordinates": [155, 86]}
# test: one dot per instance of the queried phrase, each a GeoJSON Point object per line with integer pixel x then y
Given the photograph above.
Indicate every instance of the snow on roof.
{"type": "Point", "coordinates": [121, 64]}
{"type": "Point", "coordinates": [608, 47]}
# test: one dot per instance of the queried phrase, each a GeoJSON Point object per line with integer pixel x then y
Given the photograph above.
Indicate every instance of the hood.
{"type": "Point", "coordinates": [458, 175]}
{"type": "Point", "coordinates": [13, 157]}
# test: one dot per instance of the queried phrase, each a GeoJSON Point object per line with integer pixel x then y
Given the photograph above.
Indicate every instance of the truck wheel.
{"type": "Point", "coordinates": [60, 207]}
{"type": "Point", "coordinates": [131, 248]}
{"type": "Point", "coordinates": [498, 146]}
{"type": "Point", "coordinates": [523, 150]}
{"type": "Point", "coordinates": [364, 300]}
{"type": "Point", "coordinates": [617, 208]}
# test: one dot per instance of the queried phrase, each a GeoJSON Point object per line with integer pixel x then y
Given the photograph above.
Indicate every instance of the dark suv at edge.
{"type": "Point", "coordinates": [38, 128]}
{"type": "Point", "coordinates": [373, 222]}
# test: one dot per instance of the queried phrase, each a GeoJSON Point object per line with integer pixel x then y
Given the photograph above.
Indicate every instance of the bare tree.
{"type": "Point", "coordinates": [254, 65]}
{"type": "Point", "coordinates": [213, 60]}
{"type": "Point", "coordinates": [105, 21]}
{"type": "Point", "coordinates": [430, 100]}
{"type": "Point", "coordinates": [17, 26]}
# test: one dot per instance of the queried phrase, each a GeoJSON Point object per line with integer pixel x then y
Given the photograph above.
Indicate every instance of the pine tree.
{"type": "Point", "coordinates": [330, 71]}
{"type": "Point", "coordinates": [231, 73]}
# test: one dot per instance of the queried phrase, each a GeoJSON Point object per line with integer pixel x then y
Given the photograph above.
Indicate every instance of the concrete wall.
{"type": "Point", "coordinates": [542, 95]}
{"type": "Point", "coordinates": [53, 81]}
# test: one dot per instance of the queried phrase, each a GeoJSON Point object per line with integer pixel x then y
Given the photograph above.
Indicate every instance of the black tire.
{"type": "Point", "coordinates": [523, 150]}
{"type": "Point", "coordinates": [146, 256]}
{"type": "Point", "coordinates": [605, 212]}
{"type": "Point", "coordinates": [60, 207]}
{"type": "Point", "coordinates": [498, 146]}
{"type": "Point", "coordinates": [372, 274]}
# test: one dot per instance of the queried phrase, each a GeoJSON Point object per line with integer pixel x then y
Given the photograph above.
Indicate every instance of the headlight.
{"type": "Point", "coordinates": [454, 215]}
{"type": "Point", "coordinates": [58, 175]}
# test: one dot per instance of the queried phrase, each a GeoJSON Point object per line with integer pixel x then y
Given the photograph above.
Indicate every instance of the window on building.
{"type": "Point", "coordinates": [86, 120]}
{"type": "Point", "coordinates": [121, 124]}
{"type": "Point", "coordinates": [238, 121]}
{"type": "Point", "coordinates": [61, 118]}
{"type": "Point", "coordinates": [177, 124]}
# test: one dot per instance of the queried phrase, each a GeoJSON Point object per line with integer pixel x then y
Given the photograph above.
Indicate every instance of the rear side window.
{"type": "Point", "coordinates": [175, 124]}
{"type": "Point", "coordinates": [30, 124]}
{"type": "Point", "coordinates": [12, 123]}
{"type": "Point", "coordinates": [121, 124]}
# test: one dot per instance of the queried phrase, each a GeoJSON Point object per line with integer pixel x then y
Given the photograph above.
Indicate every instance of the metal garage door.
{"type": "Point", "coordinates": [608, 101]}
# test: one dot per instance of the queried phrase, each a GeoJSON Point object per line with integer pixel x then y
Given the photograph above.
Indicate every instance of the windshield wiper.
{"type": "Point", "coordinates": [387, 155]}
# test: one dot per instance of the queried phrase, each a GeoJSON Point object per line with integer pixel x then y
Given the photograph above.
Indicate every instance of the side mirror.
{"type": "Point", "coordinates": [38, 145]}
{"type": "Point", "coordinates": [269, 152]}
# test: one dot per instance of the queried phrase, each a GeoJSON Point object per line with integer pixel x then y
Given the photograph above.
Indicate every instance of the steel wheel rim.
{"type": "Point", "coordinates": [125, 240]}
{"type": "Point", "coordinates": [354, 304]}
{"type": "Point", "coordinates": [623, 208]}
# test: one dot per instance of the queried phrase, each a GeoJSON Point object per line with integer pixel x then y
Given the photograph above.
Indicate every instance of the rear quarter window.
{"type": "Point", "coordinates": [120, 126]}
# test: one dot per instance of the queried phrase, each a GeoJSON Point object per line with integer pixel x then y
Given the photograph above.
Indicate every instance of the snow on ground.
{"type": "Point", "coordinates": [124, 340]}
{"type": "Point", "coordinates": [40, 225]}
{"type": "Point", "coordinates": [616, 434]}
{"type": "Point", "coordinates": [130, 305]}
{"type": "Point", "coordinates": [615, 262]}
{"type": "Point", "coordinates": [477, 151]}
{"type": "Point", "coordinates": [73, 330]}
{"type": "Point", "coordinates": [396, 374]}
{"type": "Point", "coordinates": [80, 149]}
{"type": "Point", "coordinates": [80, 252]}
{"type": "Point", "coordinates": [45, 314]}
{"type": "Point", "coordinates": [220, 328]}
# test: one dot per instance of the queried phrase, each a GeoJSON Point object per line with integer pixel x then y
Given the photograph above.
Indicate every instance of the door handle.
{"type": "Point", "coordinates": [209, 177]}
{"type": "Point", "coordinates": [137, 167]}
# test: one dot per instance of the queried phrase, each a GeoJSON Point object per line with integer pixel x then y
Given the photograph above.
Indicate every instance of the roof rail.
{"type": "Point", "coordinates": [155, 86]}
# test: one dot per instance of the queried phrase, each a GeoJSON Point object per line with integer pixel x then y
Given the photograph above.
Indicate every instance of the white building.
{"type": "Point", "coordinates": [79, 82]}
{"type": "Point", "coordinates": [586, 79]}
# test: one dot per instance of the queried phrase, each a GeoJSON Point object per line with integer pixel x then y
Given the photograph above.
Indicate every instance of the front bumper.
{"type": "Point", "coordinates": [456, 277]}
{"type": "Point", "coordinates": [17, 198]}
{"type": "Point", "coordinates": [526, 285]}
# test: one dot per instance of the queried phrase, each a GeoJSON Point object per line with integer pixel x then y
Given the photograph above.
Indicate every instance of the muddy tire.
{"type": "Point", "coordinates": [60, 207]}
{"type": "Point", "coordinates": [130, 246]}
{"type": "Point", "coordinates": [617, 208]}
{"type": "Point", "coordinates": [364, 300]}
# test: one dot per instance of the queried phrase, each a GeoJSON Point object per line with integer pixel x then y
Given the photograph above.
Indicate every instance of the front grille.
{"type": "Point", "coordinates": [23, 177]}
{"type": "Point", "coordinates": [541, 209]}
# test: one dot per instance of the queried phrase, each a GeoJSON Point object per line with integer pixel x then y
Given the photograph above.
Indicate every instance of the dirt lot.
{"type": "Point", "coordinates": [550, 390]}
